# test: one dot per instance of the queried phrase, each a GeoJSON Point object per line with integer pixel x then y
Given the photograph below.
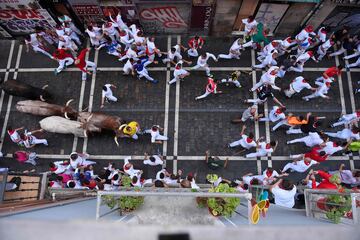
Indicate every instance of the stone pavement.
{"type": "Point", "coordinates": [193, 126]}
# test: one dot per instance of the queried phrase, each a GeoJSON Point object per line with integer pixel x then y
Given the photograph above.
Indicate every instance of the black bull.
{"type": "Point", "coordinates": [21, 89]}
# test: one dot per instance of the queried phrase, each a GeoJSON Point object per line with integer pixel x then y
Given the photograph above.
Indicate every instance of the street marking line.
{"type": "Point", "coordinates": [167, 100]}
{"type": "Point", "coordinates": [341, 89]}
{"type": "Point", "coordinates": [91, 98]}
{"type": "Point", "coordinates": [7, 72]}
{"type": "Point", "coordinates": [257, 130]}
{"type": "Point", "coordinates": [176, 120]}
{"type": "Point", "coordinates": [231, 222]}
{"type": "Point", "coordinates": [10, 99]}
{"type": "Point", "coordinates": [81, 100]}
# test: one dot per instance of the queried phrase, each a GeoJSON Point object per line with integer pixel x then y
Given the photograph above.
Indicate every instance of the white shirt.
{"type": "Point", "coordinates": [61, 168]}
{"type": "Point", "coordinates": [299, 84]}
{"type": "Point", "coordinates": [268, 48]}
{"type": "Point", "coordinates": [322, 90]}
{"type": "Point", "coordinates": [203, 61]}
{"type": "Point", "coordinates": [131, 53]}
{"type": "Point", "coordinates": [274, 116]}
{"type": "Point", "coordinates": [67, 43]}
{"type": "Point", "coordinates": [330, 149]}
{"type": "Point", "coordinates": [284, 198]}
{"type": "Point", "coordinates": [157, 161]}
{"type": "Point", "coordinates": [326, 45]}
{"type": "Point", "coordinates": [60, 32]}
{"type": "Point", "coordinates": [151, 46]}
{"type": "Point", "coordinates": [268, 78]}
{"type": "Point", "coordinates": [15, 137]}
{"type": "Point", "coordinates": [313, 139]}
{"type": "Point", "coordinates": [110, 29]}
{"type": "Point", "coordinates": [302, 36]}
{"type": "Point", "coordinates": [249, 26]}
{"type": "Point", "coordinates": [108, 92]}
{"type": "Point", "coordinates": [248, 179]}
{"type": "Point", "coordinates": [158, 174]}
{"type": "Point", "coordinates": [303, 57]}
{"type": "Point", "coordinates": [33, 40]}
{"type": "Point", "coordinates": [245, 144]}
{"type": "Point", "coordinates": [322, 36]}
{"type": "Point", "coordinates": [177, 53]}
{"type": "Point", "coordinates": [178, 72]}
{"type": "Point", "coordinates": [236, 46]}
{"type": "Point", "coordinates": [347, 134]}
{"type": "Point", "coordinates": [263, 150]}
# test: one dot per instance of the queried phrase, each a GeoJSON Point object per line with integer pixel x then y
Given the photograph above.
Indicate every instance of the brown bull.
{"type": "Point", "coordinates": [46, 109]}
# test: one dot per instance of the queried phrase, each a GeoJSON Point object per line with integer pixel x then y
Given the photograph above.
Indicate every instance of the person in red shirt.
{"type": "Point", "coordinates": [65, 59]}
{"type": "Point", "coordinates": [329, 181]}
{"type": "Point", "coordinates": [211, 87]}
{"type": "Point", "coordinates": [315, 154]}
{"type": "Point", "coordinates": [195, 43]}
{"type": "Point", "coordinates": [328, 75]}
{"type": "Point", "coordinates": [83, 64]}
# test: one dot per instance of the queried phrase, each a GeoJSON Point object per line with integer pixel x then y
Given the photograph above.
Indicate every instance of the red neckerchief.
{"type": "Point", "coordinates": [268, 146]}
{"type": "Point", "coordinates": [268, 173]}
{"type": "Point", "coordinates": [249, 140]}
{"type": "Point", "coordinates": [53, 169]}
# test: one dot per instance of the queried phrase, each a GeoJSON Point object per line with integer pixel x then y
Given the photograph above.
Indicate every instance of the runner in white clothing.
{"type": "Point", "coordinates": [296, 86]}
{"type": "Point", "coordinates": [301, 60]}
{"type": "Point", "coordinates": [151, 50]}
{"type": "Point", "coordinates": [130, 53]}
{"type": "Point", "coordinates": [179, 73]}
{"type": "Point", "coordinates": [119, 22]}
{"type": "Point", "coordinates": [202, 62]}
{"type": "Point", "coordinates": [153, 160]}
{"type": "Point", "coordinates": [175, 52]}
{"type": "Point", "coordinates": [156, 137]}
{"type": "Point", "coordinates": [234, 51]}
{"type": "Point", "coordinates": [276, 114]}
{"type": "Point", "coordinates": [15, 136]}
{"type": "Point", "coordinates": [347, 119]}
{"type": "Point", "coordinates": [322, 49]}
{"type": "Point", "coordinates": [331, 147]}
{"type": "Point", "coordinates": [129, 67]}
{"type": "Point", "coordinates": [95, 35]}
{"type": "Point", "coordinates": [66, 43]}
{"type": "Point", "coordinates": [110, 28]}
{"type": "Point", "coordinates": [78, 160]}
{"type": "Point", "coordinates": [268, 78]}
{"type": "Point", "coordinates": [347, 133]}
{"type": "Point", "coordinates": [311, 140]}
{"type": "Point", "coordinates": [250, 25]}
{"type": "Point", "coordinates": [36, 44]}
{"type": "Point", "coordinates": [268, 61]}
{"type": "Point", "coordinates": [107, 94]}
{"type": "Point", "coordinates": [319, 92]}
{"type": "Point", "coordinates": [246, 141]}
{"type": "Point", "coordinates": [129, 168]}
{"type": "Point", "coordinates": [300, 166]}
{"type": "Point", "coordinates": [30, 140]}
{"type": "Point", "coordinates": [263, 149]}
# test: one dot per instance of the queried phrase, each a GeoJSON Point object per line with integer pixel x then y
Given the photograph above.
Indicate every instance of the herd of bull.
{"type": "Point", "coordinates": [60, 119]}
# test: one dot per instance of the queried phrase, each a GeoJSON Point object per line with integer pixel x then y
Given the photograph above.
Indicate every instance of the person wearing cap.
{"type": "Point", "coordinates": [311, 140]}
{"type": "Point", "coordinates": [78, 160]}
{"type": "Point", "coordinates": [153, 160]}
{"type": "Point", "coordinates": [83, 64]}
{"type": "Point", "coordinates": [175, 52]}
{"type": "Point", "coordinates": [323, 48]}
{"type": "Point", "coordinates": [350, 132]}
{"type": "Point", "coordinates": [301, 60]}
{"type": "Point", "coordinates": [269, 60]}
{"type": "Point", "coordinates": [179, 73]}
{"type": "Point", "coordinates": [194, 44]}
{"type": "Point", "coordinates": [276, 114]}
{"type": "Point", "coordinates": [296, 86]}
{"type": "Point", "coordinates": [202, 62]}
{"type": "Point", "coordinates": [107, 94]}
{"type": "Point", "coordinates": [30, 140]}
{"type": "Point", "coordinates": [234, 78]}
{"type": "Point", "coordinates": [347, 119]}
{"type": "Point", "coordinates": [234, 51]}
{"type": "Point", "coordinates": [211, 87]}
{"type": "Point", "coordinates": [321, 91]}
{"type": "Point", "coordinates": [263, 149]}
{"type": "Point", "coordinates": [246, 141]}
{"type": "Point", "coordinates": [329, 75]}
{"type": "Point", "coordinates": [267, 78]}
{"type": "Point", "coordinates": [65, 59]}
{"type": "Point", "coordinates": [156, 137]}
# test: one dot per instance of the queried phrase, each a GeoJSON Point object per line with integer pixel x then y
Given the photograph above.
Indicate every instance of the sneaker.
{"type": "Point", "coordinates": [228, 146]}
{"type": "Point", "coordinates": [56, 72]}
{"type": "Point", "coordinates": [196, 99]}
{"type": "Point", "coordinates": [332, 125]}
{"type": "Point", "coordinates": [239, 86]}
{"type": "Point", "coordinates": [288, 142]}
{"type": "Point", "coordinates": [155, 81]}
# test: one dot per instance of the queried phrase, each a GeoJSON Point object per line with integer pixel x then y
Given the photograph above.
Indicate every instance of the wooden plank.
{"type": "Point", "coordinates": [33, 179]}
{"type": "Point", "coordinates": [26, 186]}
{"type": "Point", "coordinates": [20, 195]}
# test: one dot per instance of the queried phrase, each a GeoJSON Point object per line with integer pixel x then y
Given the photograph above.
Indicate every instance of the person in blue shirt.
{"type": "Point", "coordinates": [142, 71]}
{"type": "Point", "coordinates": [113, 47]}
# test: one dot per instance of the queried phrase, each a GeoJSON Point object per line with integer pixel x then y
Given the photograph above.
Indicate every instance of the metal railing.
{"type": "Point", "coordinates": [312, 197]}
{"type": "Point", "coordinates": [172, 193]}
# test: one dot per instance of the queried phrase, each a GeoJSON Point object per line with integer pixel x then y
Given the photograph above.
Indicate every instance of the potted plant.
{"type": "Point", "coordinates": [220, 206]}
{"type": "Point", "coordinates": [336, 207]}
{"type": "Point", "coordinates": [124, 203]}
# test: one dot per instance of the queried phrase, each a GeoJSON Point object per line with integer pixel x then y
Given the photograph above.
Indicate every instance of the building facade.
{"type": "Point", "coordinates": [206, 17]}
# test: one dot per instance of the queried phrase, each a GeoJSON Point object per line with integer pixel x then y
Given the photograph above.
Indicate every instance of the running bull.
{"type": "Point", "coordinates": [56, 124]}
{"type": "Point", "coordinates": [46, 109]}
{"type": "Point", "coordinates": [21, 89]}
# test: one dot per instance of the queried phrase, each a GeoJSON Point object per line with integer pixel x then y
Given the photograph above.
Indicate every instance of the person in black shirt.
{"type": "Point", "coordinates": [285, 65]}
{"type": "Point", "coordinates": [263, 93]}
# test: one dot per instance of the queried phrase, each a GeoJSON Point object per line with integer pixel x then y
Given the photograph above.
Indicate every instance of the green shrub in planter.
{"type": "Point", "coordinates": [125, 203]}
{"type": "Point", "coordinates": [337, 207]}
{"type": "Point", "coordinates": [223, 206]}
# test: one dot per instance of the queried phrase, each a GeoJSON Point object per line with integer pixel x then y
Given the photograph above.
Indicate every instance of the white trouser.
{"type": "Point", "coordinates": [35, 140]}
{"type": "Point", "coordinates": [294, 131]}
{"type": "Point", "coordinates": [235, 143]}
{"type": "Point", "coordinates": [357, 53]}
{"type": "Point", "coordinates": [264, 64]}
{"type": "Point", "coordinates": [281, 73]}
{"type": "Point", "coordinates": [342, 121]}
{"type": "Point", "coordinates": [64, 62]}
{"type": "Point", "coordinates": [295, 167]}
{"type": "Point", "coordinates": [111, 98]}
{"type": "Point", "coordinates": [144, 73]}
{"type": "Point", "coordinates": [256, 101]}
{"type": "Point", "coordinates": [229, 80]}
{"type": "Point", "coordinates": [338, 52]}
{"type": "Point", "coordinates": [258, 84]}
{"type": "Point", "coordinates": [75, 37]}
{"type": "Point", "coordinates": [248, 44]}
{"type": "Point", "coordinates": [230, 55]}
{"type": "Point", "coordinates": [321, 53]}
{"type": "Point", "coordinates": [206, 67]}
{"type": "Point", "coordinates": [127, 68]}
{"type": "Point", "coordinates": [114, 53]}
{"type": "Point", "coordinates": [150, 60]}
{"type": "Point", "coordinates": [355, 64]}
{"type": "Point", "coordinates": [91, 65]}
{"type": "Point", "coordinates": [193, 52]}
{"type": "Point", "coordinates": [314, 95]}
{"type": "Point", "coordinates": [307, 140]}
{"type": "Point", "coordinates": [289, 92]}
{"type": "Point", "coordinates": [207, 93]}
{"type": "Point", "coordinates": [38, 49]}
{"type": "Point", "coordinates": [299, 68]}
{"type": "Point", "coordinates": [282, 122]}
{"type": "Point", "coordinates": [336, 135]}
{"type": "Point", "coordinates": [256, 154]}
{"type": "Point", "coordinates": [158, 136]}
{"type": "Point", "coordinates": [32, 157]}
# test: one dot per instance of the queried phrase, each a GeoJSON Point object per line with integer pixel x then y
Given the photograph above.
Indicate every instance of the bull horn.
{"type": "Point", "coordinates": [85, 109]}
{"type": "Point", "coordinates": [85, 133]}
{"type": "Point", "coordinates": [66, 115]}
{"type": "Point", "coordinates": [116, 141]}
{"type": "Point", "coordinates": [68, 102]}
{"type": "Point", "coordinates": [88, 119]}
{"type": "Point", "coordinates": [42, 98]}
{"type": "Point", "coordinates": [44, 87]}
